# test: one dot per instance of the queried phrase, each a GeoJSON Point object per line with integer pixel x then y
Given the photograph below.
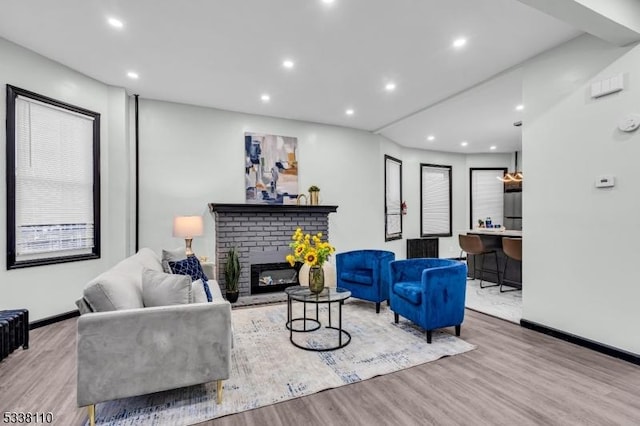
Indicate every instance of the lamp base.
{"type": "Point", "coordinates": [188, 250]}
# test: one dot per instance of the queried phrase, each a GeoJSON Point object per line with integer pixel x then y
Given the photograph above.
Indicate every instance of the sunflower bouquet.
{"type": "Point", "coordinates": [309, 249]}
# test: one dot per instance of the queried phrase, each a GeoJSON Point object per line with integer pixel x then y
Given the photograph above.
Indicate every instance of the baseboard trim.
{"type": "Point", "coordinates": [581, 341]}
{"type": "Point", "coordinates": [53, 319]}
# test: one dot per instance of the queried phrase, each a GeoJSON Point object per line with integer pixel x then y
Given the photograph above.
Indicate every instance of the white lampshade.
{"type": "Point", "coordinates": [187, 226]}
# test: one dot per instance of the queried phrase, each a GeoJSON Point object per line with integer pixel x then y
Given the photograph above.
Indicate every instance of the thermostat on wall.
{"type": "Point", "coordinates": [629, 123]}
{"type": "Point", "coordinates": [605, 181]}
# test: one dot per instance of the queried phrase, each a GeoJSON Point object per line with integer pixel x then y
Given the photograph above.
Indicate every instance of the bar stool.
{"type": "Point", "coordinates": [472, 244]}
{"type": "Point", "coordinates": [512, 248]}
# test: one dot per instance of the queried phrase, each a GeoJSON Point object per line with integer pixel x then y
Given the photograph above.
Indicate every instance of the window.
{"type": "Point", "coordinates": [487, 195]}
{"type": "Point", "coordinates": [435, 200]}
{"type": "Point", "coordinates": [53, 181]}
{"type": "Point", "coordinates": [392, 198]}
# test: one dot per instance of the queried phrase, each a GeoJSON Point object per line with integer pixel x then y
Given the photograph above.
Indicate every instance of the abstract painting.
{"type": "Point", "coordinates": [270, 169]}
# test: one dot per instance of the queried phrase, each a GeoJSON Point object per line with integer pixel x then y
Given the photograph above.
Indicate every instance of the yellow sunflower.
{"type": "Point", "coordinates": [311, 258]}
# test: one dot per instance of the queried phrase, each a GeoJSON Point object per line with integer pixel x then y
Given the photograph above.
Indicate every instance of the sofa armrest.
{"type": "Point", "coordinates": [139, 351]}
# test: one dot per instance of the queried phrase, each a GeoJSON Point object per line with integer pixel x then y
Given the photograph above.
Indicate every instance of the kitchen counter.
{"type": "Point", "coordinates": [496, 232]}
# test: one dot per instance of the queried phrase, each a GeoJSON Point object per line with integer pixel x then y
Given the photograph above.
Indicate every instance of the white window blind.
{"type": "Point", "coordinates": [487, 196]}
{"type": "Point", "coordinates": [53, 181]}
{"type": "Point", "coordinates": [436, 200]}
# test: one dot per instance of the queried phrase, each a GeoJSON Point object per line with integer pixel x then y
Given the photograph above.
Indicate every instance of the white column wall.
{"type": "Point", "coordinates": [580, 243]}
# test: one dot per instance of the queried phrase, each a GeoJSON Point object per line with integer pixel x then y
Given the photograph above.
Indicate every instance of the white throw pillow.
{"type": "Point", "coordinates": [198, 295]}
{"type": "Point", "coordinates": [174, 255]}
{"type": "Point", "coordinates": [160, 289]}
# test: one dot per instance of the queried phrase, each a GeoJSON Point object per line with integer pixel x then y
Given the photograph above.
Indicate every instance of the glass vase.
{"type": "Point", "coordinates": [316, 279]}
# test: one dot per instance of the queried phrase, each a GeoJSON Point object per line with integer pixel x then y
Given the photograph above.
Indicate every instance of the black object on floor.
{"type": "Point", "coordinates": [14, 331]}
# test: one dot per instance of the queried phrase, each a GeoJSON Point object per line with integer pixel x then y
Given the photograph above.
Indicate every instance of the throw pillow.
{"type": "Point", "coordinates": [198, 294]}
{"type": "Point", "coordinates": [160, 289]}
{"type": "Point", "coordinates": [172, 256]}
{"type": "Point", "coordinates": [191, 266]}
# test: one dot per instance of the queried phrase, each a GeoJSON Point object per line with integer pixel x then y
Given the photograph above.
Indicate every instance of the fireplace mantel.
{"type": "Point", "coordinates": [270, 208]}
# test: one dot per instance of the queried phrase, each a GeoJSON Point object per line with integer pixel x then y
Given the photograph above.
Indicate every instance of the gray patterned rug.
{"type": "Point", "coordinates": [267, 368]}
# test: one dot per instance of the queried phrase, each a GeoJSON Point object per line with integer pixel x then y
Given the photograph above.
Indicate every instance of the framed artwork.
{"type": "Point", "coordinates": [392, 198]}
{"type": "Point", "coordinates": [270, 169]}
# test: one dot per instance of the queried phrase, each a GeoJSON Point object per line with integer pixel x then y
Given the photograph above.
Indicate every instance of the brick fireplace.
{"type": "Point", "coordinates": [262, 233]}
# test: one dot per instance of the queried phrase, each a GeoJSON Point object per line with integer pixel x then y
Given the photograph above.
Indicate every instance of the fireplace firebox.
{"type": "Point", "coordinates": [272, 277]}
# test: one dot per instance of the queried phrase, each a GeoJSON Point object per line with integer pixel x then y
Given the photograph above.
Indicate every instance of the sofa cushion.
{"type": "Point", "coordinates": [409, 290]}
{"type": "Point", "coordinates": [121, 286]}
{"type": "Point", "coordinates": [160, 289]}
{"type": "Point", "coordinates": [191, 266]}
{"type": "Point", "coordinates": [174, 255]}
{"type": "Point", "coordinates": [198, 294]}
{"type": "Point", "coordinates": [358, 276]}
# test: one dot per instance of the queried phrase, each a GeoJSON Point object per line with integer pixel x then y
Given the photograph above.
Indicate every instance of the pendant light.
{"type": "Point", "coordinates": [514, 176]}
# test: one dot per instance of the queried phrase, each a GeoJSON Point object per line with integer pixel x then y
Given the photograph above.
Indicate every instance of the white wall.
{"type": "Point", "coordinates": [51, 290]}
{"type": "Point", "coordinates": [191, 156]}
{"type": "Point", "coordinates": [580, 243]}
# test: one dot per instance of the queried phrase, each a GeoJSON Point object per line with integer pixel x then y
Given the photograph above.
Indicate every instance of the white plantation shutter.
{"type": "Point", "coordinates": [436, 200]}
{"type": "Point", "coordinates": [487, 196]}
{"type": "Point", "coordinates": [53, 181]}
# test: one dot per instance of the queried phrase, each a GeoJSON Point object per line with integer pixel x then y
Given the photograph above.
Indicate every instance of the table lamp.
{"type": "Point", "coordinates": [188, 227]}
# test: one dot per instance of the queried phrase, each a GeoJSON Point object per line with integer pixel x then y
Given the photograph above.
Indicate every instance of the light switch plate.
{"type": "Point", "coordinates": [605, 181]}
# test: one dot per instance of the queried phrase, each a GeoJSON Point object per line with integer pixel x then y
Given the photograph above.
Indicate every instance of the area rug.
{"type": "Point", "coordinates": [267, 368]}
{"type": "Point", "coordinates": [489, 300]}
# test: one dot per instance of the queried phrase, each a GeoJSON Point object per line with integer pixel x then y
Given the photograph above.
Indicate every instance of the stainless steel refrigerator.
{"type": "Point", "coordinates": [513, 210]}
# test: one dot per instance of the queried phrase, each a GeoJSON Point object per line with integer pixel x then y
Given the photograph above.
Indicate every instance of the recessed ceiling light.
{"type": "Point", "coordinates": [116, 23]}
{"type": "Point", "coordinates": [288, 63]}
{"type": "Point", "coordinates": [265, 98]}
{"type": "Point", "coordinates": [520, 107]}
{"type": "Point", "coordinates": [431, 138]}
{"type": "Point", "coordinates": [459, 42]}
{"type": "Point", "coordinates": [328, 1]}
{"type": "Point", "coordinates": [390, 87]}
{"type": "Point", "coordinates": [464, 143]}
{"type": "Point", "coordinates": [493, 147]}
{"type": "Point", "coordinates": [349, 111]}
{"type": "Point", "coordinates": [133, 75]}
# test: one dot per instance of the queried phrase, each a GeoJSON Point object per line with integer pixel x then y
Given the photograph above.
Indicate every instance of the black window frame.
{"type": "Point", "coordinates": [471, 170]}
{"type": "Point", "coordinates": [387, 235]}
{"type": "Point", "coordinates": [12, 93]}
{"type": "Point", "coordinates": [445, 167]}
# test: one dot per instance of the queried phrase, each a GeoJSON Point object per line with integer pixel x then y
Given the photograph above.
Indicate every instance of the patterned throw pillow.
{"type": "Point", "coordinates": [191, 266]}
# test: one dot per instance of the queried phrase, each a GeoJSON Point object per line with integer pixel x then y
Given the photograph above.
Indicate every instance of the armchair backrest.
{"type": "Point", "coordinates": [412, 269]}
{"type": "Point", "coordinates": [358, 259]}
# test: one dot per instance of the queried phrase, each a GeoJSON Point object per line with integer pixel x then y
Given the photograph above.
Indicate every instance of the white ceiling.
{"type": "Point", "coordinates": [227, 53]}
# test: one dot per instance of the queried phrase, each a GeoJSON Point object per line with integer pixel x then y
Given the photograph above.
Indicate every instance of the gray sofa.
{"type": "Point", "coordinates": [132, 350]}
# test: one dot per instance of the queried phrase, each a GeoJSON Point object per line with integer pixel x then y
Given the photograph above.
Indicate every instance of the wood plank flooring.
{"type": "Point", "coordinates": [515, 377]}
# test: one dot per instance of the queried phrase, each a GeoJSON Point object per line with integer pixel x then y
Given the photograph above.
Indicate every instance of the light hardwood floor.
{"type": "Point", "coordinates": [515, 377]}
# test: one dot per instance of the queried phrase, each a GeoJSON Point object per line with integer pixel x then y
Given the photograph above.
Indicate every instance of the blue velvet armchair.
{"type": "Point", "coordinates": [365, 273]}
{"type": "Point", "coordinates": [429, 292]}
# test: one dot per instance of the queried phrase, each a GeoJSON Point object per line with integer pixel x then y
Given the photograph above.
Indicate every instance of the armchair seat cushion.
{"type": "Point", "coordinates": [358, 276]}
{"type": "Point", "coordinates": [409, 290]}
